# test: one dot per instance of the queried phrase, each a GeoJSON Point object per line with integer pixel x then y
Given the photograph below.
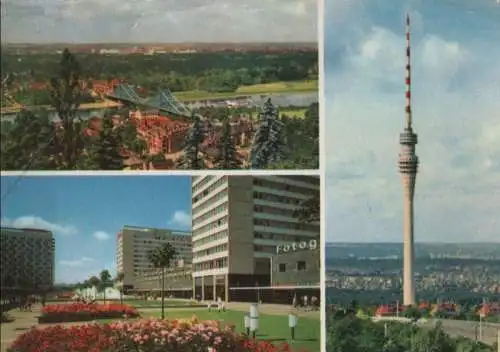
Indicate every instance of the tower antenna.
{"type": "Point", "coordinates": [408, 74]}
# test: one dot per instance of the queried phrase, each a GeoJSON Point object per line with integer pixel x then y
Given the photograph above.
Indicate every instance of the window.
{"type": "Point", "coordinates": [282, 267]}
{"type": "Point", "coordinates": [301, 265]}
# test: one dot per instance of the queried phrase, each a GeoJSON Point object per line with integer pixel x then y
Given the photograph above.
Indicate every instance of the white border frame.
{"type": "Point", "coordinates": [322, 168]}
{"type": "Point", "coordinates": [319, 172]}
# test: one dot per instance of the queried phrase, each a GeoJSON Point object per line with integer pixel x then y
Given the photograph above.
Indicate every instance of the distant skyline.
{"type": "Point", "coordinates": [85, 213]}
{"type": "Point", "coordinates": [158, 21]}
{"type": "Point", "coordinates": [456, 107]}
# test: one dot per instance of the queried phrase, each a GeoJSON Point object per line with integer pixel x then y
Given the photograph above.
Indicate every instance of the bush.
{"type": "Point", "coordinates": [142, 336]}
{"type": "Point", "coordinates": [58, 313]}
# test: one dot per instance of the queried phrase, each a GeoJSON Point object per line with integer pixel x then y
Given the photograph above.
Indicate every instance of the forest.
{"type": "Point", "coordinates": [213, 72]}
{"type": "Point", "coordinates": [347, 332]}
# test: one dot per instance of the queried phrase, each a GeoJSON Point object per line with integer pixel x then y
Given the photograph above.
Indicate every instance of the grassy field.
{"type": "Point", "coordinates": [140, 303]}
{"type": "Point", "coordinates": [298, 113]}
{"type": "Point", "coordinates": [273, 328]}
{"type": "Point", "coordinates": [267, 88]}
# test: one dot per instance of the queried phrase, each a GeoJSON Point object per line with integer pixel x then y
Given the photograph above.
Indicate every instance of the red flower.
{"type": "Point", "coordinates": [140, 336]}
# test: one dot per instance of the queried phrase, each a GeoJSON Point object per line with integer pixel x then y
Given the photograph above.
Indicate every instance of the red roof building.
{"type": "Point", "coordinates": [489, 309]}
{"type": "Point", "coordinates": [389, 310]}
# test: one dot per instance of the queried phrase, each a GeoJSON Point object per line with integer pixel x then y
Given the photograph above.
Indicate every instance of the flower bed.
{"type": "Point", "coordinates": [63, 313]}
{"type": "Point", "coordinates": [141, 336]}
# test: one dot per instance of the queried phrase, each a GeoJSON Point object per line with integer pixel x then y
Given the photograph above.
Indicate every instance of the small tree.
{"type": "Point", "coordinates": [161, 259]}
{"type": "Point", "coordinates": [268, 145]}
{"type": "Point", "coordinates": [105, 150]}
{"type": "Point", "coordinates": [132, 141]}
{"type": "Point", "coordinates": [309, 210]}
{"type": "Point", "coordinates": [192, 158]}
{"type": "Point", "coordinates": [119, 282]}
{"type": "Point", "coordinates": [227, 157]}
{"type": "Point", "coordinates": [105, 282]}
{"type": "Point", "coordinates": [412, 313]}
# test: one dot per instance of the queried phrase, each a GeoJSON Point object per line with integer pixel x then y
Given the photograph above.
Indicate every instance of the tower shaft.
{"type": "Point", "coordinates": [408, 167]}
{"type": "Point", "coordinates": [408, 243]}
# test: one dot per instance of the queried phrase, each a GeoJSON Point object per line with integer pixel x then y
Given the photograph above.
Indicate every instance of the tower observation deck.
{"type": "Point", "coordinates": [408, 167]}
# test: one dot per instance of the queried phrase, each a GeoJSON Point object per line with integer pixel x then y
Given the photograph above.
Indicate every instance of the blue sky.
{"type": "Point", "coordinates": [86, 213]}
{"type": "Point", "coordinates": [456, 105]}
{"type": "Point", "coordinates": [159, 21]}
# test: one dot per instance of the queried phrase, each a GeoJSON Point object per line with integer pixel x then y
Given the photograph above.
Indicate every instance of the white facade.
{"type": "Point", "coordinates": [238, 221]}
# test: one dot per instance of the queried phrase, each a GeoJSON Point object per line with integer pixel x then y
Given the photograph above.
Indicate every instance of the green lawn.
{"type": "Point", "coordinates": [298, 113]}
{"type": "Point", "coordinates": [267, 88]}
{"type": "Point", "coordinates": [273, 328]}
{"type": "Point", "coordinates": [141, 303]}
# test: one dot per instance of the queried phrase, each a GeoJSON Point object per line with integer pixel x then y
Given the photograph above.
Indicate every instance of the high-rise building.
{"type": "Point", "coordinates": [27, 258]}
{"type": "Point", "coordinates": [408, 167]}
{"type": "Point", "coordinates": [134, 243]}
{"type": "Point", "coordinates": [238, 222]}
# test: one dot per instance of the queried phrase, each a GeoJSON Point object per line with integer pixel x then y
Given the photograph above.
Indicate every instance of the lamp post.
{"type": "Point", "coordinates": [292, 323]}
{"type": "Point", "coordinates": [246, 323]}
{"type": "Point", "coordinates": [254, 319]}
{"type": "Point", "coordinates": [498, 340]}
{"type": "Point", "coordinates": [481, 327]}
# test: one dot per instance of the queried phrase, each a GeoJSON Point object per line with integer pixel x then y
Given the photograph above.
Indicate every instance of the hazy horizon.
{"type": "Point", "coordinates": [159, 21]}
{"type": "Point", "coordinates": [165, 43]}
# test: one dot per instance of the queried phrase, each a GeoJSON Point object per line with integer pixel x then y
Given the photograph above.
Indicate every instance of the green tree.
{"type": "Point", "coordinates": [27, 142]}
{"type": "Point", "coordinates": [193, 158]}
{"type": "Point", "coordinates": [227, 157]}
{"type": "Point", "coordinates": [412, 313]}
{"type": "Point", "coordinates": [119, 283]}
{"type": "Point", "coordinates": [104, 282]}
{"type": "Point", "coordinates": [93, 281]}
{"type": "Point", "coordinates": [105, 150]}
{"type": "Point", "coordinates": [311, 121]}
{"type": "Point", "coordinates": [309, 210]}
{"type": "Point", "coordinates": [161, 259]}
{"type": "Point", "coordinates": [65, 98]}
{"type": "Point", "coordinates": [268, 145]}
{"type": "Point", "coordinates": [133, 143]}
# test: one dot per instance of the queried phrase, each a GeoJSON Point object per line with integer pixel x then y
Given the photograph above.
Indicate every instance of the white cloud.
{"type": "Point", "coordinates": [181, 219]}
{"type": "Point", "coordinates": [78, 270]}
{"type": "Point", "coordinates": [35, 222]}
{"type": "Point", "coordinates": [456, 104]}
{"type": "Point", "coordinates": [83, 261]}
{"type": "Point", "coordinates": [101, 235]}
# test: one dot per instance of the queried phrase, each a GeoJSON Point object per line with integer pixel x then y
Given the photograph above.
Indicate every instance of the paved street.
{"type": "Point", "coordinates": [22, 321]}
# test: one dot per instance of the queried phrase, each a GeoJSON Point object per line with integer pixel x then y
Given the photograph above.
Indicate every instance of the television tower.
{"type": "Point", "coordinates": [408, 166]}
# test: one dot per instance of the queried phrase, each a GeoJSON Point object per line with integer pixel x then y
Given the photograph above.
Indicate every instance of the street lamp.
{"type": "Point", "coordinates": [254, 318]}
{"type": "Point", "coordinates": [246, 323]}
{"type": "Point", "coordinates": [292, 323]}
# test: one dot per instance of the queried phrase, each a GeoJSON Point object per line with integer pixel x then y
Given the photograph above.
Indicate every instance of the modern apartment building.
{"type": "Point", "coordinates": [178, 283]}
{"type": "Point", "coordinates": [238, 222]}
{"type": "Point", "coordinates": [27, 258]}
{"type": "Point", "coordinates": [134, 243]}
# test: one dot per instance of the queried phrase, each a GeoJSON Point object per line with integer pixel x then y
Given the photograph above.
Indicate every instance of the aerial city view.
{"type": "Point", "coordinates": [100, 87]}
{"type": "Point", "coordinates": [217, 261]}
{"type": "Point", "coordinates": [412, 260]}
